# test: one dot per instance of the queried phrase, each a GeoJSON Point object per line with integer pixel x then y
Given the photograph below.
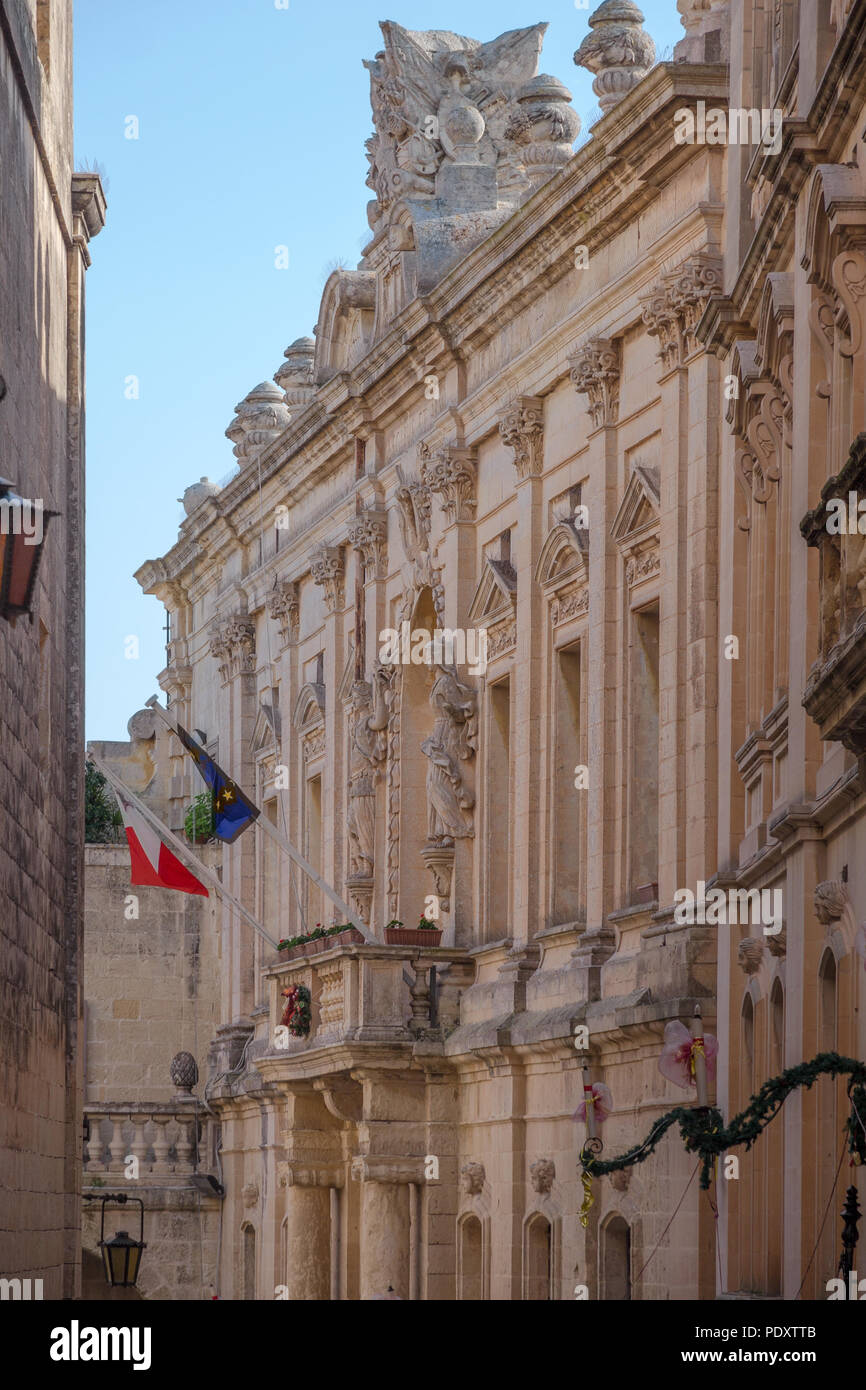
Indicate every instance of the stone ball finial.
{"type": "Point", "coordinates": [617, 51]}
{"type": "Point", "coordinates": [184, 1071]}
{"type": "Point", "coordinates": [142, 725]}
{"type": "Point", "coordinates": [198, 493]}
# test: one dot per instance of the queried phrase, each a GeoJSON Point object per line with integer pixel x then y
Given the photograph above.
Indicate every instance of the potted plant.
{"type": "Point", "coordinates": [425, 934]}
{"type": "Point", "coordinates": [320, 939]}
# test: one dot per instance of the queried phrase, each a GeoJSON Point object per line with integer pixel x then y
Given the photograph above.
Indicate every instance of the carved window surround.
{"type": "Point", "coordinates": [757, 416]}
{"type": "Point", "coordinates": [562, 570]}
{"type": "Point", "coordinates": [494, 607]}
{"type": "Point", "coordinates": [757, 762]}
{"type": "Point", "coordinates": [636, 527]}
{"type": "Point", "coordinates": [308, 717]}
{"type": "Point", "coordinates": [835, 695]}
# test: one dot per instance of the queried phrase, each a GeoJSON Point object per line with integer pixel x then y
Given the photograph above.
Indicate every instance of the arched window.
{"type": "Point", "coordinates": [616, 1260]}
{"type": "Point", "coordinates": [748, 1070]}
{"type": "Point", "coordinates": [539, 1259]}
{"type": "Point", "coordinates": [777, 1027]}
{"type": "Point", "coordinates": [827, 993]}
{"type": "Point", "coordinates": [471, 1259]}
{"type": "Point", "coordinates": [248, 1285]}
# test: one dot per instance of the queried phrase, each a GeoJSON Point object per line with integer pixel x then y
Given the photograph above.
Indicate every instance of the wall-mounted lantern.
{"type": "Point", "coordinates": [22, 539]}
{"type": "Point", "coordinates": [121, 1256]}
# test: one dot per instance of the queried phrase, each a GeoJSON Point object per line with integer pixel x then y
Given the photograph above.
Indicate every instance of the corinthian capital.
{"type": "Point", "coordinates": [368, 534]}
{"type": "Point", "coordinates": [284, 604]}
{"type": "Point", "coordinates": [522, 429]}
{"type": "Point", "coordinates": [328, 571]}
{"type": "Point", "coordinates": [595, 369]}
{"type": "Point", "coordinates": [233, 643]}
{"type": "Point", "coordinates": [451, 472]}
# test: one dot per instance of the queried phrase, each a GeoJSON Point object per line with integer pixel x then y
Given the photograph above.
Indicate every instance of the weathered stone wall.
{"type": "Point", "coordinates": [48, 220]}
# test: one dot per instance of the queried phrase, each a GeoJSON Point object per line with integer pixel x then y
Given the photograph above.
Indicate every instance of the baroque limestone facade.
{"type": "Point", "coordinates": [50, 214]}
{"type": "Point", "coordinates": [580, 400]}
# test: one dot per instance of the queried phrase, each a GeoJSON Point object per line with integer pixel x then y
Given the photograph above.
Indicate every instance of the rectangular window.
{"type": "Point", "coordinates": [568, 800]}
{"type": "Point", "coordinates": [313, 838]}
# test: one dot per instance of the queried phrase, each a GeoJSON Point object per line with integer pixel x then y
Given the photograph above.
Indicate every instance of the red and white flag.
{"type": "Point", "coordinates": [153, 864]}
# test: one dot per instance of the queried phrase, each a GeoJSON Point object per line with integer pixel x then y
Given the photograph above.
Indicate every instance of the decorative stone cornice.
{"type": "Point", "coordinates": [617, 51]}
{"type": "Point", "coordinates": [284, 604]}
{"type": "Point", "coordinates": [450, 471]}
{"type": "Point", "coordinates": [522, 429]}
{"type": "Point", "coordinates": [328, 570]}
{"type": "Point", "coordinates": [595, 371]}
{"type": "Point", "coordinates": [368, 534]}
{"type": "Point", "coordinates": [233, 643]}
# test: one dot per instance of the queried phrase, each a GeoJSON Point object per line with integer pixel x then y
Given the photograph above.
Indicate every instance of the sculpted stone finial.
{"type": "Point", "coordinates": [295, 376]}
{"type": "Point", "coordinates": [617, 51]}
{"type": "Point", "coordinates": [260, 418]}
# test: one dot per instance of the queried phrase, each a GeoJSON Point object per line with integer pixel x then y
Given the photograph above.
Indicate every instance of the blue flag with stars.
{"type": "Point", "coordinates": [232, 809]}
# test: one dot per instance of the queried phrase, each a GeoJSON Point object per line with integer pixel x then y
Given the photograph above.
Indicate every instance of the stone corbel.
{"type": "Point", "coordinates": [328, 570]}
{"type": "Point", "coordinates": [522, 429]}
{"type": "Point", "coordinates": [451, 472]}
{"type": "Point", "coordinates": [595, 372]}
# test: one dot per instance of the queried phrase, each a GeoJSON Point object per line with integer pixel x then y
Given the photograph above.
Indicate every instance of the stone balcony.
{"type": "Point", "coordinates": [168, 1139]}
{"type": "Point", "coordinates": [835, 694]}
{"type": "Point", "coordinates": [370, 993]}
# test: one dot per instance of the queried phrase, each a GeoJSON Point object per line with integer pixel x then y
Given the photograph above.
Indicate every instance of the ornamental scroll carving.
{"type": "Point", "coordinates": [522, 429]}
{"type": "Point", "coordinates": [284, 604]}
{"type": "Point", "coordinates": [328, 570]}
{"type": "Point", "coordinates": [595, 372]}
{"type": "Point", "coordinates": [233, 643]}
{"type": "Point", "coordinates": [450, 471]}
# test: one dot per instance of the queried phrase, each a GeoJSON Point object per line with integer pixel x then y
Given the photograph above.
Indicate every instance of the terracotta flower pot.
{"type": "Point", "coordinates": [412, 936]}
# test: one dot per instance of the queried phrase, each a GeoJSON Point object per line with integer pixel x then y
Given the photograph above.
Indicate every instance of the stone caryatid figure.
{"type": "Point", "coordinates": [451, 744]}
{"type": "Point", "coordinates": [369, 746]}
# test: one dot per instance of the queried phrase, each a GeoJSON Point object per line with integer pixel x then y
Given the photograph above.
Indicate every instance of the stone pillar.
{"type": "Point", "coordinates": [328, 570]}
{"type": "Point", "coordinates": [233, 643]}
{"type": "Point", "coordinates": [386, 1256]}
{"type": "Point", "coordinates": [522, 429]}
{"type": "Point", "coordinates": [308, 1236]}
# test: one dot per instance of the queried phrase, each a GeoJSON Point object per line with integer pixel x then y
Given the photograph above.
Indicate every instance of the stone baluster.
{"type": "Point", "coordinates": [420, 992]}
{"type": "Point", "coordinates": [95, 1146]}
{"type": "Point", "coordinates": [139, 1145]}
{"type": "Point", "coordinates": [185, 1143]}
{"type": "Point", "coordinates": [117, 1146]}
{"type": "Point", "coordinates": [160, 1144]}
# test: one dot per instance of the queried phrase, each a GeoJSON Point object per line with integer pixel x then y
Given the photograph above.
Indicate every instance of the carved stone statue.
{"type": "Point", "coordinates": [452, 742]}
{"type": "Point", "coordinates": [368, 750]}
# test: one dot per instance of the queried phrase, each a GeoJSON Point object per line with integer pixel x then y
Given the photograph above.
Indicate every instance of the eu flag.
{"type": "Point", "coordinates": [232, 810]}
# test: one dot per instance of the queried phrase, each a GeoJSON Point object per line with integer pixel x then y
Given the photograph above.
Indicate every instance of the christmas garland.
{"type": "Point", "coordinates": [703, 1128]}
{"type": "Point", "coordinates": [296, 1015]}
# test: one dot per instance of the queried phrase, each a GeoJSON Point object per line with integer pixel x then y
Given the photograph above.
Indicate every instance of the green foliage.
{"type": "Point", "coordinates": [102, 818]}
{"type": "Point", "coordinates": [315, 935]}
{"type": "Point", "coordinates": [426, 925]}
{"type": "Point", "coordinates": [198, 822]}
{"type": "Point", "coordinates": [703, 1130]}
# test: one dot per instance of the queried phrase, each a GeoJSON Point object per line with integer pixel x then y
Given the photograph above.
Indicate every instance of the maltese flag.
{"type": "Point", "coordinates": [153, 864]}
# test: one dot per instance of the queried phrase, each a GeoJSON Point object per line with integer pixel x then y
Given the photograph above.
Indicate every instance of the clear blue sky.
{"type": "Point", "coordinates": [252, 122]}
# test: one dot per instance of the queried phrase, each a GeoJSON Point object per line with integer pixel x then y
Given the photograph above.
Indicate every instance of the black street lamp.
{"type": "Point", "coordinates": [20, 552]}
{"type": "Point", "coordinates": [121, 1256]}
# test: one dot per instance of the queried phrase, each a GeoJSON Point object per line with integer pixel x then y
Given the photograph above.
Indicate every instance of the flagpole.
{"type": "Point", "coordinates": [284, 844]}
{"type": "Point", "coordinates": [201, 869]}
